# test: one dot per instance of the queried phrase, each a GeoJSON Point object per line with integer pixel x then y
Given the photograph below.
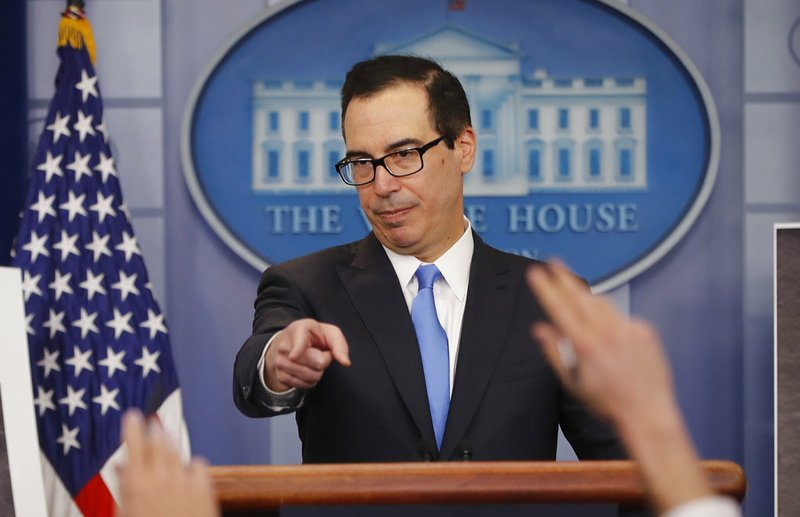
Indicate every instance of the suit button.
{"type": "Point", "coordinates": [426, 455]}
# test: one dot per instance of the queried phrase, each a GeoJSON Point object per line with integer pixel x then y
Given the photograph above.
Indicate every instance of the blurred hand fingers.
{"type": "Point", "coordinates": [580, 315]}
{"type": "Point", "coordinates": [163, 450]}
{"type": "Point", "coordinates": [556, 301]}
{"type": "Point", "coordinates": [548, 338]}
{"type": "Point", "coordinates": [133, 434]}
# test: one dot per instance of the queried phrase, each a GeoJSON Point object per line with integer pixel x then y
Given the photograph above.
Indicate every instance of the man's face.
{"type": "Point", "coordinates": [421, 214]}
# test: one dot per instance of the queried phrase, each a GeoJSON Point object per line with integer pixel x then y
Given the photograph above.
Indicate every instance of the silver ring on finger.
{"type": "Point", "coordinates": [566, 354]}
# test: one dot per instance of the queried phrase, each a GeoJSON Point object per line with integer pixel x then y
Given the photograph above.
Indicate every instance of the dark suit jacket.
{"type": "Point", "coordinates": [506, 402]}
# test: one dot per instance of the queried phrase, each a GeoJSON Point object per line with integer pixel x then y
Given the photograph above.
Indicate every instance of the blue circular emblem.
{"type": "Point", "coordinates": [598, 140]}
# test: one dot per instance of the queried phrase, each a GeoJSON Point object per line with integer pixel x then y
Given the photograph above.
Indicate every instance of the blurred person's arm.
{"type": "Point", "coordinates": [621, 372]}
{"type": "Point", "coordinates": [155, 482]}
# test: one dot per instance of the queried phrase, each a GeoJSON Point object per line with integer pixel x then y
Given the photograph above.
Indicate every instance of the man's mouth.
{"type": "Point", "coordinates": [393, 215]}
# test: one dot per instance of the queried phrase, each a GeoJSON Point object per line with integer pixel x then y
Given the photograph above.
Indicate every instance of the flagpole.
{"type": "Point", "coordinates": [76, 4]}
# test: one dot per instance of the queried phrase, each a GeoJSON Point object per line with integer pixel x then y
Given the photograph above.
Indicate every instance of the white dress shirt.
{"type": "Point", "coordinates": [449, 290]}
{"type": "Point", "coordinates": [712, 506]}
{"type": "Point", "coordinates": [449, 295]}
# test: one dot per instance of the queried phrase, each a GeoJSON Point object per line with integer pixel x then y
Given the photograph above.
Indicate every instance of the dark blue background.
{"type": "Point", "coordinates": [13, 129]}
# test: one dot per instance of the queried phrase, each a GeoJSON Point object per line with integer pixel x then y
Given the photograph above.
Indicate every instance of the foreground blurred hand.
{"type": "Point", "coordinates": [155, 482]}
{"type": "Point", "coordinates": [621, 368]}
{"type": "Point", "coordinates": [617, 367]}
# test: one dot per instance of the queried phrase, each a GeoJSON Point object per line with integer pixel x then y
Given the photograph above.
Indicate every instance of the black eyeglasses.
{"type": "Point", "coordinates": [405, 162]}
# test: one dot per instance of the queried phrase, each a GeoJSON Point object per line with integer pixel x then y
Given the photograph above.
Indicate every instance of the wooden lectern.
{"type": "Point", "coordinates": [264, 489]}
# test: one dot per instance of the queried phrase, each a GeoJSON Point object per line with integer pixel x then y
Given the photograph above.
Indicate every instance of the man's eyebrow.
{"type": "Point", "coordinates": [400, 144]}
{"type": "Point", "coordinates": [394, 146]}
{"type": "Point", "coordinates": [355, 153]}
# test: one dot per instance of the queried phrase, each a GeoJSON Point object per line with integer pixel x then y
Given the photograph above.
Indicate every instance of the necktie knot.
{"type": "Point", "coordinates": [427, 275]}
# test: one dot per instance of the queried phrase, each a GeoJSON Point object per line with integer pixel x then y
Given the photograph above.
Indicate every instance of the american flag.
{"type": "Point", "coordinates": [97, 339]}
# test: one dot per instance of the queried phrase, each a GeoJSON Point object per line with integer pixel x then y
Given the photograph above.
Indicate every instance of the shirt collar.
{"type": "Point", "coordinates": [454, 264]}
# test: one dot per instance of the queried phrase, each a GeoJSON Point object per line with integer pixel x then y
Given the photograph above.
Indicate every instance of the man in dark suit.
{"type": "Point", "coordinates": [345, 336]}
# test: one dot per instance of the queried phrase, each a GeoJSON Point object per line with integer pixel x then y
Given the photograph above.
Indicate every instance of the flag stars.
{"type": "Point", "coordinates": [77, 209]}
{"type": "Point", "coordinates": [28, 325]}
{"type": "Point", "coordinates": [103, 206]}
{"type": "Point", "coordinates": [73, 400]}
{"type": "Point", "coordinates": [98, 247]}
{"type": "Point", "coordinates": [44, 400]}
{"type": "Point", "coordinates": [60, 284]}
{"type": "Point", "coordinates": [106, 399]}
{"type": "Point", "coordinates": [69, 438]}
{"type": "Point", "coordinates": [126, 285]}
{"type": "Point", "coordinates": [49, 362]}
{"type": "Point", "coordinates": [149, 287]}
{"type": "Point", "coordinates": [80, 165]}
{"type": "Point", "coordinates": [124, 209]}
{"type": "Point", "coordinates": [93, 284]}
{"type": "Point", "coordinates": [101, 127]}
{"type": "Point", "coordinates": [105, 166]}
{"type": "Point", "coordinates": [51, 166]}
{"type": "Point", "coordinates": [36, 246]}
{"type": "Point", "coordinates": [74, 205]}
{"type": "Point", "coordinates": [44, 206]}
{"type": "Point", "coordinates": [120, 323]}
{"type": "Point", "coordinates": [84, 125]}
{"type": "Point", "coordinates": [55, 323]}
{"type": "Point", "coordinates": [113, 361]}
{"type": "Point", "coordinates": [154, 323]}
{"type": "Point", "coordinates": [80, 361]}
{"type": "Point", "coordinates": [59, 127]}
{"type": "Point", "coordinates": [86, 323]}
{"type": "Point", "coordinates": [87, 85]}
{"type": "Point", "coordinates": [30, 284]}
{"type": "Point", "coordinates": [128, 246]}
{"type": "Point", "coordinates": [67, 245]}
{"type": "Point", "coordinates": [148, 361]}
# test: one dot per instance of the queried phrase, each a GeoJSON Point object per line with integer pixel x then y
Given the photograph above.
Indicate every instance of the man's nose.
{"type": "Point", "coordinates": [385, 183]}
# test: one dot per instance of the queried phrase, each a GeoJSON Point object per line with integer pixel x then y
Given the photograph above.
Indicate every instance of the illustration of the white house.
{"type": "Point", "coordinates": [535, 132]}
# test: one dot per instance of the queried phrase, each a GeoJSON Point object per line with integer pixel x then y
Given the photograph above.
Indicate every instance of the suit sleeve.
{"type": "Point", "coordinates": [278, 303]}
{"type": "Point", "coordinates": [591, 437]}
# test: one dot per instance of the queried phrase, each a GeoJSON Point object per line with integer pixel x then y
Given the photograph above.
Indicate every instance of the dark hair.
{"type": "Point", "coordinates": [447, 102]}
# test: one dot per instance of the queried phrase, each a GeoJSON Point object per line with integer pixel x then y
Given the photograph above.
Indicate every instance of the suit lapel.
{"type": "Point", "coordinates": [490, 305]}
{"type": "Point", "coordinates": [371, 283]}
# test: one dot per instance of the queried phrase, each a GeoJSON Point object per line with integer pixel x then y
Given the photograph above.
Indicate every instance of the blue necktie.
{"type": "Point", "coordinates": [433, 349]}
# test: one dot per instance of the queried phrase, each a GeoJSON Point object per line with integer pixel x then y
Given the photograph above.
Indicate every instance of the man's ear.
{"type": "Point", "coordinates": [467, 144]}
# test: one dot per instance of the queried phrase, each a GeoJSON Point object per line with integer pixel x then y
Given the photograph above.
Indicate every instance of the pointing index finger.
{"type": "Point", "coordinates": [323, 336]}
{"type": "Point", "coordinates": [337, 344]}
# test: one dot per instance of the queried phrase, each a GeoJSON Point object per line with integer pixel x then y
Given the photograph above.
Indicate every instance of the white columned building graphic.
{"type": "Point", "coordinates": [535, 132]}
